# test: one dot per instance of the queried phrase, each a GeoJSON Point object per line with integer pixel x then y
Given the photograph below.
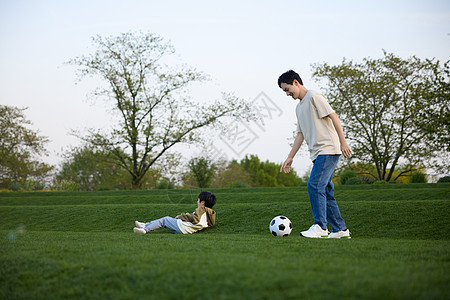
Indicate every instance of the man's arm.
{"type": "Point", "coordinates": [337, 125]}
{"type": "Point", "coordinates": [286, 167]}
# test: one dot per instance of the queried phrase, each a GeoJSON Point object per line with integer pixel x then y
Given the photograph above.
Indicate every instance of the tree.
{"type": "Point", "coordinates": [19, 149]}
{"type": "Point", "coordinates": [89, 170]}
{"type": "Point", "coordinates": [203, 170]}
{"type": "Point", "coordinates": [154, 112]}
{"type": "Point", "coordinates": [268, 173]}
{"type": "Point", "coordinates": [231, 174]}
{"type": "Point", "coordinates": [395, 111]}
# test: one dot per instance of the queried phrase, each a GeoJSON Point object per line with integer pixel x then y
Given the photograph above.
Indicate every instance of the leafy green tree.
{"type": "Point", "coordinates": [232, 175]}
{"type": "Point", "coordinates": [155, 113]}
{"type": "Point", "coordinates": [20, 148]}
{"type": "Point", "coordinates": [89, 170]}
{"type": "Point", "coordinates": [289, 180]}
{"type": "Point", "coordinates": [203, 170]}
{"type": "Point", "coordinates": [395, 111]}
{"type": "Point", "coordinates": [268, 173]}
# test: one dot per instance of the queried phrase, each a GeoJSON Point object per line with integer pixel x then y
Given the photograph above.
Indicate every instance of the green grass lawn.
{"type": "Point", "coordinates": [81, 246]}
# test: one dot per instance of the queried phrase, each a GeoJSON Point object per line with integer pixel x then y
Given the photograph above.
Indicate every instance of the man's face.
{"type": "Point", "coordinates": [291, 90]}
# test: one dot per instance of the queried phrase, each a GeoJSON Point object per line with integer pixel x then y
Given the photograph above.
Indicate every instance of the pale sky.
{"type": "Point", "coordinates": [243, 45]}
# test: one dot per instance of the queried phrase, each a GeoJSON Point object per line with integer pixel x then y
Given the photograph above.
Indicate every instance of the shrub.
{"type": "Point", "coordinates": [418, 177]}
{"type": "Point", "coordinates": [165, 185]}
{"type": "Point", "coordinates": [346, 175]}
{"type": "Point", "coordinates": [353, 181]}
{"type": "Point", "coordinates": [32, 185]}
{"type": "Point", "coordinates": [65, 185]}
{"type": "Point", "coordinates": [238, 184]}
{"type": "Point", "coordinates": [380, 182]}
{"type": "Point", "coordinates": [367, 179]}
{"type": "Point", "coordinates": [15, 187]}
{"type": "Point", "coordinates": [444, 179]}
{"type": "Point", "coordinates": [104, 188]}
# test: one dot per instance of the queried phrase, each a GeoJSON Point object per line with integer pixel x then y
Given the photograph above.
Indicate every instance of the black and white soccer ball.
{"type": "Point", "coordinates": [280, 226]}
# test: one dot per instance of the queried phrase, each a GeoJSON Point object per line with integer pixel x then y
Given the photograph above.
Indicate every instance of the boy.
{"type": "Point", "coordinates": [201, 218]}
{"type": "Point", "coordinates": [320, 127]}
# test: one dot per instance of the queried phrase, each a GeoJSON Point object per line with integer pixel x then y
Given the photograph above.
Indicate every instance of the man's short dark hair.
{"type": "Point", "coordinates": [208, 197]}
{"type": "Point", "coordinates": [288, 78]}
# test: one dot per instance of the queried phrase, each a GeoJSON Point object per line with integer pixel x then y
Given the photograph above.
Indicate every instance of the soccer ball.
{"type": "Point", "coordinates": [280, 226]}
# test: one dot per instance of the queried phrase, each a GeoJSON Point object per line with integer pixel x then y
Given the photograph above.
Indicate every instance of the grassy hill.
{"type": "Point", "coordinates": [81, 245]}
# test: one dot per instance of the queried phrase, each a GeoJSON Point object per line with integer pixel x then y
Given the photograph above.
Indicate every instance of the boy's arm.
{"type": "Point", "coordinates": [286, 167]}
{"type": "Point", "coordinates": [185, 217]}
{"type": "Point", "coordinates": [193, 218]}
{"type": "Point", "coordinates": [337, 125]}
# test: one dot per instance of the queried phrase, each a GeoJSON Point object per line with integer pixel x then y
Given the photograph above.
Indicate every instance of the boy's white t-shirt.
{"type": "Point", "coordinates": [317, 129]}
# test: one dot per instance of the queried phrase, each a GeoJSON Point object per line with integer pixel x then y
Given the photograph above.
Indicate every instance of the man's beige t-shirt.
{"type": "Point", "coordinates": [317, 129]}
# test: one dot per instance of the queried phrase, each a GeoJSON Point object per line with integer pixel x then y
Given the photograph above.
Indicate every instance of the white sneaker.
{"type": "Point", "coordinates": [343, 234]}
{"type": "Point", "coordinates": [139, 230]}
{"type": "Point", "coordinates": [315, 231]}
{"type": "Point", "coordinates": [139, 224]}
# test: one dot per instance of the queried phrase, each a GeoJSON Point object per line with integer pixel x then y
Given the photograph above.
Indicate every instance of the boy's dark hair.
{"type": "Point", "coordinates": [288, 78]}
{"type": "Point", "coordinates": [208, 197]}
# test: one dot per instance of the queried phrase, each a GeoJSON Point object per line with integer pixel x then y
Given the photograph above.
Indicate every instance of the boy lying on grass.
{"type": "Point", "coordinates": [201, 218]}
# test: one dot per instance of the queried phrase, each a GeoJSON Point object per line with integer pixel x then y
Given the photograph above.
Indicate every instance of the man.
{"type": "Point", "coordinates": [320, 127]}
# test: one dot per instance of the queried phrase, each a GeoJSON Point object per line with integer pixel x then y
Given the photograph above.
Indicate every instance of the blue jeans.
{"type": "Point", "coordinates": [321, 193]}
{"type": "Point", "coordinates": [167, 222]}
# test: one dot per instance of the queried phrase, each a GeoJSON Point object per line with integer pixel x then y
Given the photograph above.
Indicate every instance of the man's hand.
{"type": "Point", "coordinates": [177, 217]}
{"type": "Point", "coordinates": [345, 149]}
{"type": "Point", "coordinates": [286, 167]}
